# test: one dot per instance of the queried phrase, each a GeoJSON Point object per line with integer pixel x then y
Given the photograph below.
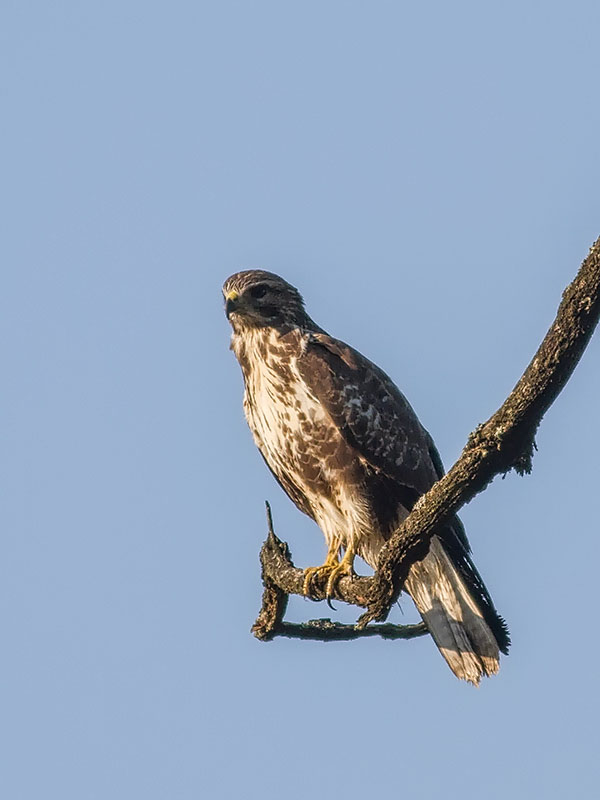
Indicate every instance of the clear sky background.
{"type": "Point", "coordinates": [427, 174]}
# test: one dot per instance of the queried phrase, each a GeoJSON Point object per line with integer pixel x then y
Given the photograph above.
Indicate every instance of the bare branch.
{"type": "Point", "coordinates": [506, 441]}
{"type": "Point", "coordinates": [324, 630]}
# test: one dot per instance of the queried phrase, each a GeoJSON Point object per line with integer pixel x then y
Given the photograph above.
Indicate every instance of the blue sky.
{"type": "Point", "coordinates": [427, 175]}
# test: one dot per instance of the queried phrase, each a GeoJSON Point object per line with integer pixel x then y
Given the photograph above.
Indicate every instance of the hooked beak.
{"type": "Point", "coordinates": [231, 302]}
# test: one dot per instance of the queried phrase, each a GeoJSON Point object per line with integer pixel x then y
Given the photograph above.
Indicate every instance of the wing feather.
{"type": "Point", "coordinates": [370, 411]}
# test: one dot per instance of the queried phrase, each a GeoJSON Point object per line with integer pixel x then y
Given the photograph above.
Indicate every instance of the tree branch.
{"type": "Point", "coordinates": [324, 630]}
{"type": "Point", "coordinates": [506, 441]}
{"type": "Point", "coordinates": [281, 578]}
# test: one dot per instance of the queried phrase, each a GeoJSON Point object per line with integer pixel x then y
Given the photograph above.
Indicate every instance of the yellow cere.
{"type": "Point", "coordinates": [232, 295]}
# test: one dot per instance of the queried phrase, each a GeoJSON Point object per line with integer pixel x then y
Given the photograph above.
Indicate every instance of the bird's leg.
{"type": "Point", "coordinates": [345, 567]}
{"type": "Point", "coordinates": [332, 562]}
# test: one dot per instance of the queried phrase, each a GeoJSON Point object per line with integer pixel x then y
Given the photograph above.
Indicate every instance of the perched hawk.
{"type": "Point", "coordinates": [348, 449]}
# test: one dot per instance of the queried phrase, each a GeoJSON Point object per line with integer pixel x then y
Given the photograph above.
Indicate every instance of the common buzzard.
{"type": "Point", "coordinates": [348, 449]}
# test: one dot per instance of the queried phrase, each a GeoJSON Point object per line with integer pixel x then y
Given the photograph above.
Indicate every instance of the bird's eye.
{"type": "Point", "coordinates": [258, 291]}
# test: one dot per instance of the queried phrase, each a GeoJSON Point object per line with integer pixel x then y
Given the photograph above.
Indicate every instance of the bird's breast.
{"type": "Point", "coordinates": [281, 412]}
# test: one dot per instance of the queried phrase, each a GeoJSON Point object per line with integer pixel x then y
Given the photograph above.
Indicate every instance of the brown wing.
{"type": "Point", "coordinates": [375, 418]}
{"type": "Point", "coordinates": [370, 412]}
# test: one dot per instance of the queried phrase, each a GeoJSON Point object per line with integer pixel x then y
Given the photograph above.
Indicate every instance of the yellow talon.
{"type": "Point", "coordinates": [333, 569]}
{"type": "Point", "coordinates": [317, 572]}
{"type": "Point", "coordinates": [345, 567]}
{"type": "Point", "coordinates": [331, 564]}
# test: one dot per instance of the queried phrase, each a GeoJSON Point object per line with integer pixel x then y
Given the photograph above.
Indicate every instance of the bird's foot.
{"type": "Point", "coordinates": [344, 568]}
{"type": "Point", "coordinates": [319, 574]}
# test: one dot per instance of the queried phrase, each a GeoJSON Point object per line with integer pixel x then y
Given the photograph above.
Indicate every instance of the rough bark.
{"type": "Point", "coordinates": [505, 442]}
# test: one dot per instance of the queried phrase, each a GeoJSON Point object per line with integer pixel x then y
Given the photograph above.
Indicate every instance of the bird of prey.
{"type": "Point", "coordinates": [349, 450]}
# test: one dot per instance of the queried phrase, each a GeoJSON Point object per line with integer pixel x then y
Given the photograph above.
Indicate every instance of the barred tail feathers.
{"type": "Point", "coordinates": [452, 615]}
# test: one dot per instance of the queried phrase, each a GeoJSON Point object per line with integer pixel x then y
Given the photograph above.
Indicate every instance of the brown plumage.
{"type": "Point", "coordinates": [348, 449]}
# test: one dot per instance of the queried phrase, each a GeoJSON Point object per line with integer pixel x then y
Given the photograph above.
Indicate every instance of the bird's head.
{"type": "Point", "coordinates": [258, 299]}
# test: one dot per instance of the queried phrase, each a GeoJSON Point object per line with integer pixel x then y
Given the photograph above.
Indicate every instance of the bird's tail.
{"type": "Point", "coordinates": [459, 613]}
